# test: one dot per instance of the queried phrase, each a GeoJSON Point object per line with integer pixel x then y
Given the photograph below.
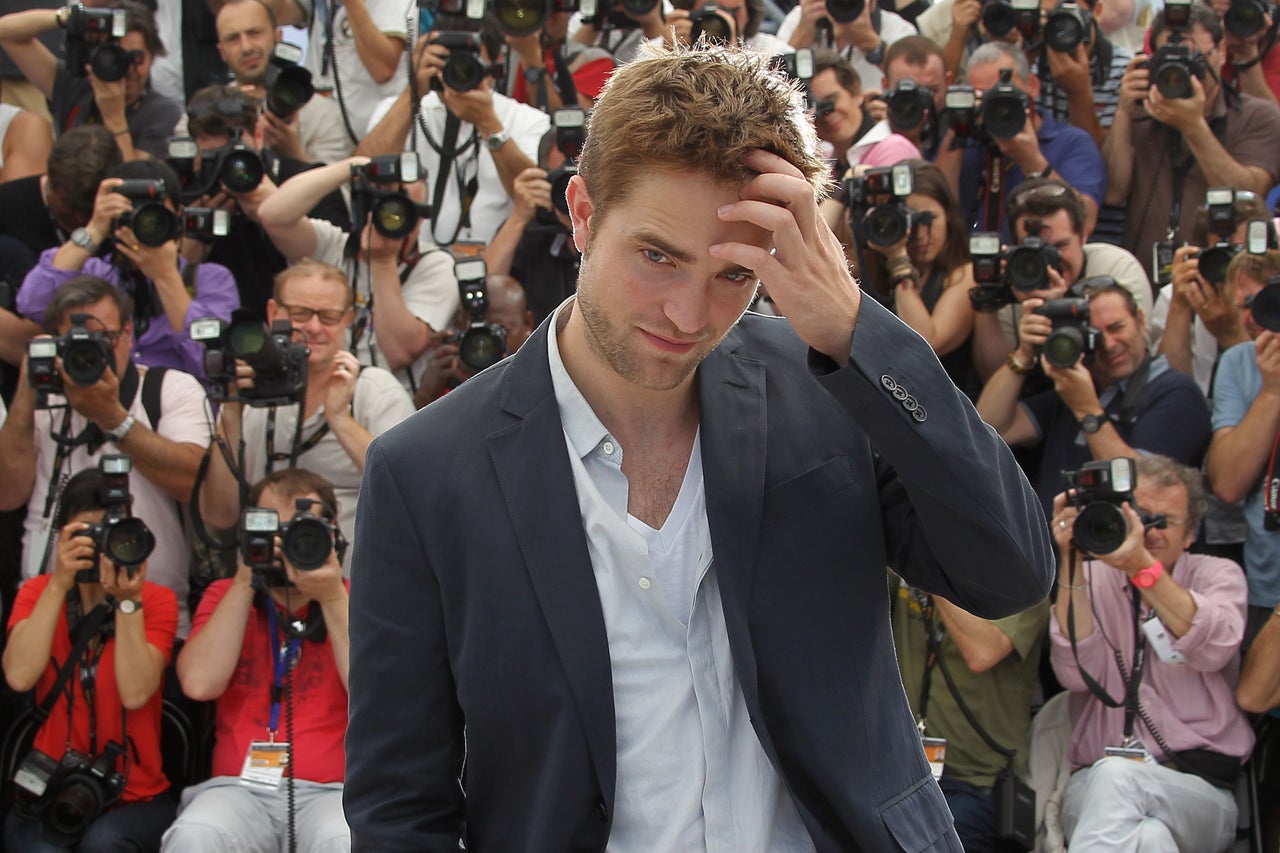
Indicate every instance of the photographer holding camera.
{"type": "Point", "coordinates": [916, 62]}
{"type": "Point", "coordinates": [844, 122]}
{"type": "Point", "coordinates": [110, 710]}
{"type": "Point", "coordinates": [403, 297]}
{"type": "Point", "coordinates": [97, 85]}
{"type": "Point", "coordinates": [270, 645]}
{"type": "Point", "coordinates": [1146, 636]}
{"type": "Point", "coordinates": [329, 426]}
{"type": "Point", "coordinates": [1250, 32]}
{"type": "Point", "coordinates": [1167, 147]}
{"type": "Point", "coordinates": [167, 293]}
{"type": "Point", "coordinates": [536, 79]}
{"type": "Point", "coordinates": [1112, 400]}
{"type": "Point", "coordinates": [476, 140]}
{"type": "Point", "coordinates": [728, 22]}
{"type": "Point", "coordinates": [159, 417]}
{"type": "Point", "coordinates": [859, 31]}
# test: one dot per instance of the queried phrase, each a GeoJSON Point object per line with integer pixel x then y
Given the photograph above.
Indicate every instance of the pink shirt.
{"type": "Point", "coordinates": [1192, 704]}
{"type": "Point", "coordinates": [889, 151]}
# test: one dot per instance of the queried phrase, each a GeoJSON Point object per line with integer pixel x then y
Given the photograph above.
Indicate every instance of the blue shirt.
{"type": "Point", "coordinates": [1235, 386]}
{"type": "Point", "coordinates": [1070, 151]}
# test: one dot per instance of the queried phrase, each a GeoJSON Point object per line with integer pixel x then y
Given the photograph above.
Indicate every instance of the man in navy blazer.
{"type": "Point", "coordinates": [626, 589]}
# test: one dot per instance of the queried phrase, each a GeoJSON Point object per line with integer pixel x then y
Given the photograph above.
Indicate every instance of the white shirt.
{"type": "Point", "coordinates": [491, 205]}
{"type": "Point", "coordinates": [166, 71]}
{"type": "Point", "coordinates": [691, 773]}
{"type": "Point", "coordinates": [892, 28]}
{"type": "Point", "coordinates": [1204, 346]}
{"type": "Point", "coordinates": [8, 113]}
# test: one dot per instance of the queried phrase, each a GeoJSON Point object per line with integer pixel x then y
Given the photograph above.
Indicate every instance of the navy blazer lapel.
{"type": "Point", "coordinates": [532, 466]}
{"type": "Point", "coordinates": [732, 418]}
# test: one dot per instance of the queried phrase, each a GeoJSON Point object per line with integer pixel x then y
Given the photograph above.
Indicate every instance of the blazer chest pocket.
{"type": "Point", "coordinates": [804, 491]}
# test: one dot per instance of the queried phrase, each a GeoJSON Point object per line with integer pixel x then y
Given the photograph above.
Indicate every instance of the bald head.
{"type": "Point", "coordinates": [509, 309]}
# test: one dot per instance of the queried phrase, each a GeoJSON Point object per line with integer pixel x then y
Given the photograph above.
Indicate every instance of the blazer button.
{"type": "Point", "coordinates": [887, 382]}
{"type": "Point", "coordinates": [900, 393]}
{"type": "Point", "coordinates": [602, 811]}
{"type": "Point", "coordinates": [910, 403]}
{"type": "Point", "coordinates": [919, 414]}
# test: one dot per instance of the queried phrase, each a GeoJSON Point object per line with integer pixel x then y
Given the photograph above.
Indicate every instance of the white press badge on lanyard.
{"type": "Point", "coordinates": [267, 761]}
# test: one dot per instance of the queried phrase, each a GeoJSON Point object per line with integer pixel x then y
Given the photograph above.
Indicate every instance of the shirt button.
{"type": "Point", "coordinates": [644, 583]}
{"type": "Point", "coordinates": [607, 447]}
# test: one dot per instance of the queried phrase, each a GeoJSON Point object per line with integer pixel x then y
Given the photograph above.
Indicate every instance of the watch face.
{"type": "Point", "coordinates": [128, 606]}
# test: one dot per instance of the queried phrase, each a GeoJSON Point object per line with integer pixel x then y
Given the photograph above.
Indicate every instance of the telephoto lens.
{"type": "Point", "coordinates": [520, 17]}
{"type": "Point", "coordinates": [307, 541]}
{"type": "Point", "coordinates": [394, 215]}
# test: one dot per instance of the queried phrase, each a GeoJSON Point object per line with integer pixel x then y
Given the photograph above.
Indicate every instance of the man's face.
{"type": "Point", "coordinates": [67, 217]}
{"type": "Point", "coordinates": [1123, 342]}
{"type": "Point", "coordinates": [653, 301]}
{"type": "Point", "coordinates": [285, 505]}
{"type": "Point", "coordinates": [985, 76]}
{"type": "Point", "coordinates": [135, 82]}
{"type": "Point", "coordinates": [932, 74]}
{"type": "Point", "coordinates": [1245, 287]}
{"type": "Point", "coordinates": [507, 314]}
{"type": "Point", "coordinates": [104, 316]}
{"type": "Point", "coordinates": [1165, 545]}
{"type": "Point", "coordinates": [1058, 231]}
{"type": "Point", "coordinates": [245, 41]}
{"type": "Point", "coordinates": [319, 308]}
{"type": "Point", "coordinates": [841, 125]}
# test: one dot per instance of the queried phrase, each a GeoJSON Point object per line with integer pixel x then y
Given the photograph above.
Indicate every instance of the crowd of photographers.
{"type": "Point", "coordinates": [228, 262]}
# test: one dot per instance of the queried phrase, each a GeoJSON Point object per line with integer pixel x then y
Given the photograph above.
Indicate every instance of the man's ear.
{"type": "Point", "coordinates": [273, 308]}
{"type": "Point", "coordinates": [581, 209]}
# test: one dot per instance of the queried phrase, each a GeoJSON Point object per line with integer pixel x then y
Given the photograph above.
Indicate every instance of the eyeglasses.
{"type": "Point", "coordinates": [136, 57]}
{"type": "Point", "coordinates": [300, 314]}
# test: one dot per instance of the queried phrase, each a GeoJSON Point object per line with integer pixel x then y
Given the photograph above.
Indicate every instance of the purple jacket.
{"type": "Point", "coordinates": [160, 345]}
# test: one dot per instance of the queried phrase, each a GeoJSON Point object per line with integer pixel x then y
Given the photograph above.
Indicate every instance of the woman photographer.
{"type": "Point", "coordinates": [109, 708]}
{"type": "Point", "coordinates": [166, 296]}
{"type": "Point", "coordinates": [927, 275]}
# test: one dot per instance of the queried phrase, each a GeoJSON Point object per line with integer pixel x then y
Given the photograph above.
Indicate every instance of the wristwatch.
{"type": "Point", "coordinates": [129, 607]}
{"type": "Point", "coordinates": [1147, 578]}
{"type": "Point", "coordinates": [533, 75]}
{"type": "Point", "coordinates": [118, 433]}
{"type": "Point", "coordinates": [82, 238]}
{"type": "Point", "coordinates": [497, 140]}
{"type": "Point", "coordinates": [1092, 423]}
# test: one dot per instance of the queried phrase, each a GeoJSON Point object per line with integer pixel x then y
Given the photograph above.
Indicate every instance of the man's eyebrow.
{"type": "Point", "coordinates": [643, 235]}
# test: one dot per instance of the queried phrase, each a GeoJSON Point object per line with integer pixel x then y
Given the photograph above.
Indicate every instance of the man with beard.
{"type": "Point", "coordinates": [636, 571]}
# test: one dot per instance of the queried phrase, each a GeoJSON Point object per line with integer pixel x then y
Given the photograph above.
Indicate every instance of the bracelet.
{"type": "Point", "coordinates": [125, 132]}
{"type": "Point", "coordinates": [1043, 173]}
{"type": "Point", "coordinates": [1070, 586]}
{"type": "Point", "coordinates": [1018, 367]}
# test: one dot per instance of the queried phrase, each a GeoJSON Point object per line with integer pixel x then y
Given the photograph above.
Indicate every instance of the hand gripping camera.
{"type": "Point", "coordinates": [86, 355]}
{"type": "Point", "coordinates": [68, 795]}
{"type": "Point", "coordinates": [888, 223]}
{"type": "Point", "coordinates": [93, 39]}
{"type": "Point", "coordinates": [464, 70]}
{"type": "Point", "coordinates": [1072, 336]}
{"type": "Point", "coordinates": [1001, 17]}
{"type": "Point", "coordinates": [393, 213]}
{"type": "Point", "coordinates": [571, 133]}
{"type": "Point", "coordinates": [483, 344]}
{"type": "Point", "coordinates": [237, 166]}
{"type": "Point", "coordinates": [1067, 27]}
{"type": "Point", "coordinates": [1175, 62]}
{"type": "Point", "coordinates": [152, 223]}
{"type": "Point", "coordinates": [287, 83]}
{"type": "Point", "coordinates": [1098, 490]}
{"type": "Point", "coordinates": [279, 363]}
{"type": "Point", "coordinates": [307, 540]}
{"type": "Point", "coordinates": [123, 537]}
{"type": "Point", "coordinates": [910, 106]}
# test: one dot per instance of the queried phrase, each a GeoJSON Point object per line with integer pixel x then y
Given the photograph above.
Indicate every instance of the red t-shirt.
{"type": "Point", "coordinates": [1270, 70]}
{"type": "Point", "coordinates": [146, 779]}
{"type": "Point", "coordinates": [244, 708]}
{"type": "Point", "coordinates": [589, 80]}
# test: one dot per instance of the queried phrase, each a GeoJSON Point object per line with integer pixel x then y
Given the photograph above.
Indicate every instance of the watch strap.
{"type": "Point", "coordinates": [497, 140]}
{"type": "Point", "coordinates": [128, 606]}
{"type": "Point", "coordinates": [1146, 578]}
{"type": "Point", "coordinates": [1092, 423]}
{"type": "Point", "coordinates": [118, 433]}
{"type": "Point", "coordinates": [82, 238]}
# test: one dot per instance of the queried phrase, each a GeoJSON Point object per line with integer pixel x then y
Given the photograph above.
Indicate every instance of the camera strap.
{"type": "Point", "coordinates": [1133, 391]}
{"type": "Point", "coordinates": [993, 190]}
{"type": "Point", "coordinates": [86, 631]}
{"type": "Point", "coordinates": [449, 164]}
{"type": "Point", "coordinates": [298, 447]}
{"type": "Point", "coordinates": [1271, 492]}
{"type": "Point", "coordinates": [285, 653]}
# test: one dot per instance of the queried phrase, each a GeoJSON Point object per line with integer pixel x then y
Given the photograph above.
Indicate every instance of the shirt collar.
{"type": "Point", "coordinates": [581, 426]}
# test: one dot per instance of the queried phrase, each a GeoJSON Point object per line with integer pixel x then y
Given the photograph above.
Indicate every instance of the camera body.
{"type": "Point", "coordinates": [237, 166]}
{"type": "Point", "coordinates": [910, 105]}
{"type": "Point", "coordinates": [1027, 264]}
{"type": "Point", "coordinates": [797, 66]}
{"type": "Point", "coordinates": [1173, 65]}
{"type": "Point", "coordinates": [288, 84]}
{"type": "Point", "coordinates": [1004, 107]}
{"type": "Point", "coordinates": [483, 344]}
{"type": "Point", "coordinates": [393, 213]}
{"type": "Point", "coordinates": [152, 223]}
{"type": "Point", "coordinates": [86, 355]}
{"type": "Point", "coordinates": [886, 223]}
{"type": "Point", "coordinates": [1246, 18]}
{"type": "Point", "coordinates": [123, 537]}
{"type": "Point", "coordinates": [1212, 262]}
{"type": "Point", "coordinates": [279, 363]}
{"type": "Point", "coordinates": [1098, 490]}
{"type": "Point", "coordinates": [1001, 17]}
{"type": "Point", "coordinates": [1072, 336]}
{"type": "Point", "coordinates": [205, 224]}
{"type": "Point", "coordinates": [463, 70]}
{"type": "Point", "coordinates": [960, 108]}
{"type": "Point", "coordinates": [845, 11]}
{"type": "Point", "coordinates": [998, 272]}
{"type": "Point", "coordinates": [68, 795]}
{"type": "Point", "coordinates": [571, 133]}
{"type": "Point", "coordinates": [307, 541]}
{"type": "Point", "coordinates": [619, 14]}
{"type": "Point", "coordinates": [1067, 27]}
{"type": "Point", "coordinates": [101, 51]}
{"type": "Point", "coordinates": [714, 24]}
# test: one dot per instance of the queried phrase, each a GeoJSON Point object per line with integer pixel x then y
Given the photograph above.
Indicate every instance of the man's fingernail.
{"type": "Point", "coordinates": [724, 208]}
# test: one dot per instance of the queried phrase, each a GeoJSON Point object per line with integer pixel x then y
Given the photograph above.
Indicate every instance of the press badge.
{"type": "Point", "coordinates": [265, 764]}
{"type": "Point", "coordinates": [1162, 262]}
{"type": "Point", "coordinates": [935, 749]}
{"type": "Point", "coordinates": [1160, 641]}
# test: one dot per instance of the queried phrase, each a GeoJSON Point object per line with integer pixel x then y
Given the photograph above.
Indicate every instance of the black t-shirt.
{"type": "Point", "coordinates": [546, 263]}
{"type": "Point", "coordinates": [23, 215]}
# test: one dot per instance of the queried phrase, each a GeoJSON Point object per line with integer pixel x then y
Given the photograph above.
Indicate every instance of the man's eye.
{"type": "Point", "coordinates": [740, 277]}
{"type": "Point", "coordinates": [653, 256]}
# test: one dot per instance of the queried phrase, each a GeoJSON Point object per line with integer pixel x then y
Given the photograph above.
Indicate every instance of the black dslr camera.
{"type": "Point", "coordinates": [1001, 17]}
{"type": "Point", "coordinates": [101, 51]}
{"type": "Point", "coordinates": [68, 795]}
{"type": "Point", "coordinates": [571, 133]}
{"type": "Point", "coordinates": [1265, 305]}
{"type": "Point", "coordinates": [1212, 262]}
{"type": "Point", "coordinates": [205, 224]}
{"type": "Point", "coordinates": [797, 66]}
{"type": "Point", "coordinates": [483, 344]}
{"type": "Point", "coordinates": [279, 363]}
{"type": "Point", "coordinates": [393, 213]}
{"type": "Point", "coordinates": [520, 17]}
{"type": "Point", "coordinates": [288, 84]}
{"type": "Point", "coordinates": [714, 24]}
{"type": "Point", "coordinates": [122, 536]}
{"type": "Point", "coordinates": [1067, 27]}
{"type": "Point", "coordinates": [1099, 489]}
{"type": "Point", "coordinates": [1072, 336]}
{"type": "Point", "coordinates": [1174, 63]}
{"type": "Point", "coordinates": [86, 355]}
{"type": "Point", "coordinates": [887, 223]}
{"type": "Point", "coordinates": [617, 15]}
{"type": "Point", "coordinates": [152, 223]}
{"type": "Point", "coordinates": [237, 166]}
{"type": "Point", "coordinates": [1027, 264]}
{"type": "Point", "coordinates": [307, 540]}
{"type": "Point", "coordinates": [910, 105]}
{"type": "Point", "coordinates": [998, 272]}
{"type": "Point", "coordinates": [1246, 18]}
{"type": "Point", "coordinates": [960, 108]}
{"type": "Point", "coordinates": [1004, 107]}
{"type": "Point", "coordinates": [464, 70]}
{"type": "Point", "coordinates": [991, 293]}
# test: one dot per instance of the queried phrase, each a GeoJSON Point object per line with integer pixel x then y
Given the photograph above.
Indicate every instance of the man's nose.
{"type": "Point", "coordinates": [686, 307]}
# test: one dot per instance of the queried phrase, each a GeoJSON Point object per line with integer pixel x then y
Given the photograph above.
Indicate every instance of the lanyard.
{"type": "Point", "coordinates": [298, 448]}
{"type": "Point", "coordinates": [284, 655]}
{"type": "Point", "coordinates": [933, 650]}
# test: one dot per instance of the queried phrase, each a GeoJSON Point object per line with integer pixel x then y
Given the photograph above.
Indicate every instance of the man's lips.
{"type": "Point", "coordinates": [668, 344]}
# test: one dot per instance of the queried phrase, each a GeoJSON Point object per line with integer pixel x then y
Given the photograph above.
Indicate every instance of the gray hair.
{"type": "Point", "coordinates": [993, 51]}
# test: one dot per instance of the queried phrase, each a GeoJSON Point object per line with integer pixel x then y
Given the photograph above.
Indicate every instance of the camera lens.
{"type": "Point", "coordinates": [639, 8]}
{"type": "Point", "coordinates": [1244, 20]}
{"type": "Point", "coordinates": [1027, 269]}
{"type": "Point", "coordinates": [481, 347]}
{"type": "Point", "coordinates": [129, 542]}
{"type": "Point", "coordinates": [1173, 79]}
{"type": "Point", "coordinates": [110, 62]}
{"type": "Point", "coordinates": [394, 215]}
{"type": "Point", "coordinates": [1063, 32]}
{"type": "Point", "coordinates": [885, 225]}
{"type": "Point", "coordinates": [308, 542]}
{"type": "Point", "coordinates": [462, 72]}
{"type": "Point", "coordinates": [290, 91]}
{"type": "Point", "coordinates": [1004, 115]}
{"type": "Point", "coordinates": [1214, 262]}
{"type": "Point", "coordinates": [520, 17]}
{"type": "Point", "coordinates": [906, 110]}
{"type": "Point", "coordinates": [845, 11]}
{"type": "Point", "coordinates": [1063, 347]}
{"type": "Point", "coordinates": [84, 361]}
{"type": "Point", "coordinates": [998, 19]}
{"type": "Point", "coordinates": [75, 805]}
{"type": "Point", "coordinates": [246, 337]}
{"type": "Point", "coordinates": [711, 27]}
{"type": "Point", "coordinates": [241, 172]}
{"type": "Point", "coordinates": [1265, 307]}
{"type": "Point", "coordinates": [1100, 528]}
{"type": "Point", "coordinates": [154, 224]}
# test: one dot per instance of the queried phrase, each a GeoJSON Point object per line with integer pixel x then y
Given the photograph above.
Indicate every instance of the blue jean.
{"type": "Point", "coordinates": [975, 815]}
{"type": "Point", "coordinates": [131, 828]}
